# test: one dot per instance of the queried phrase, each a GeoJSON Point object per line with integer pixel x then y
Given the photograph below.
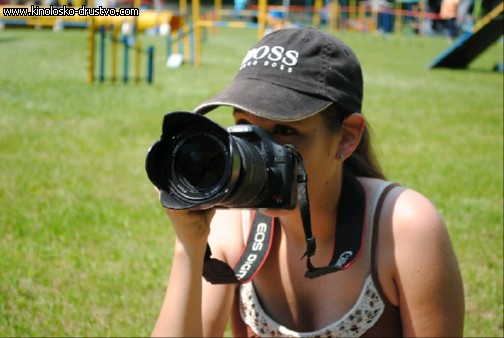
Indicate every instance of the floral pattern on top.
{"type": "Point", "coordinates": [361, 317]}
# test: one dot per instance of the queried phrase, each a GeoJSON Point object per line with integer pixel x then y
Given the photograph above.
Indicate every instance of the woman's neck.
{"type": "Point", "coordinates": [324, 207]}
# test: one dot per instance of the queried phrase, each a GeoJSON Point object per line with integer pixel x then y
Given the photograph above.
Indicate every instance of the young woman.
{"type": "Point", "coordinates": [304, 87]}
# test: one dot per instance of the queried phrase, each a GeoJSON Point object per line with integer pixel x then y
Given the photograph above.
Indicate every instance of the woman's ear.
{"type": "Point", "coordinates": [351, 133]}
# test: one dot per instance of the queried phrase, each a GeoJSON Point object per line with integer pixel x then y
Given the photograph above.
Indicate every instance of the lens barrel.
{"type": "Point", "coordinates": [253, 175]}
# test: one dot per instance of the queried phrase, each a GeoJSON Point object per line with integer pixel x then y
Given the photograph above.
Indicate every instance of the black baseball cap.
{"type": "Point", "coordinates": [294, 73]}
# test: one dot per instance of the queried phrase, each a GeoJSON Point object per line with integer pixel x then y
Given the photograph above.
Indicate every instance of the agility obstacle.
{"type": "Point", "coordinates": [471, 44]}
{"type": "Point", "coordinates": [128, 43]}
{"type": "Point", "coordinates": [216, 22]}
{"type": "Point", "coordinates": [108, 28]}
{"type": "Point", "coordinates": [201, 23]}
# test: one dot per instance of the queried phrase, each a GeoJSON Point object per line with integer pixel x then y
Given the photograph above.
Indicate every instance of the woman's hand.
{"type": "Point", "coordinates": [191, 226]}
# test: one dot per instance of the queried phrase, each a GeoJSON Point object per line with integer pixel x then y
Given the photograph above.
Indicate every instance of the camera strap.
{"type": "Point", "coordinates": [253, 256]}
{"type": "Point", "coordinates": [350, 222]}
{"type": "Point", "coordinates": [349, 229]}
{"type": "Point", "coordinates": [348, 241]}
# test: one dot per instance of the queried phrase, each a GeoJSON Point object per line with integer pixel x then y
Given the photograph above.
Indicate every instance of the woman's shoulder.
{"type": "Point", "coordinates": [416, 223]}
{"type": "Point", "coordinates": [412, 235]}
{"type": "Point", "coordinates": [407, 217]}
{"type": "Point", "coordinates": [405, 209]}
{"type": "Point", "coordinates": [405, 203]}
{"type": "Point", "coordinates": [417, 264]}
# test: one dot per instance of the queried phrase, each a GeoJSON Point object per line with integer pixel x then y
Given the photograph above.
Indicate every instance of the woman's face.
{"type": "Point", "coordinates": [316, 143]}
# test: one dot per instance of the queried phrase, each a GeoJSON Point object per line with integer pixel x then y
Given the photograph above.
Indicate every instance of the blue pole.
{"type": "Point", "coordinates": [150, 65]}
{"type": "Point", "coordinates": [125, 41]}
{"type": "Point", "coordinates": [191, 43]}
{"type": "Point", "coordinates": [169, 42]}
{"type": "Point", "coordinates": [181, 41]}
{"type": "Point", "coordinates": [102, 53]}
{"type": "Point", "coordinates": [308, 11]}
{"type": "Point", "coordinates": [204, 34]}
{"type": "Point", "coordinates": [344, 14]}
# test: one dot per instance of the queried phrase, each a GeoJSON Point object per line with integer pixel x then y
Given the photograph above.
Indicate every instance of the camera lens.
{"type": "Point", "coordinates": [200, 162]}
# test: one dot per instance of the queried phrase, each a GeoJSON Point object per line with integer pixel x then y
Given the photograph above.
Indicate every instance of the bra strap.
{"type": "Point", "coordinates": [373, 254]}
{"type": "Point", "coordinates": [376, 227]}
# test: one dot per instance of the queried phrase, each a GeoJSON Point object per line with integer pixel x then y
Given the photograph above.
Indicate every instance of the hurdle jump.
{"type": "Point", "coordinates": [127, 43]}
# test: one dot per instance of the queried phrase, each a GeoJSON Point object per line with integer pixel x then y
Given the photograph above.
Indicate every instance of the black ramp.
{"type": "Point", "coordinates": [471, 44]}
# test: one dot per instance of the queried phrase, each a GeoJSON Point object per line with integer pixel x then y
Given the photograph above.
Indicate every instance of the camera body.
{"type": "Point", "coordinates": [196, 164]}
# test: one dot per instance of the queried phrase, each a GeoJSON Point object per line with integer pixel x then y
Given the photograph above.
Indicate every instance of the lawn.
{"type": "Point", "coordinates": [85, 248]}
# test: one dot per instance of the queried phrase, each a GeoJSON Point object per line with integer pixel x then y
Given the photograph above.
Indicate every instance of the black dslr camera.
{"type": "Point", "coordinates": [198, 164]}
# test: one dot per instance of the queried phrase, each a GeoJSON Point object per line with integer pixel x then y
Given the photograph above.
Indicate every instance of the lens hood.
{"type": "Point", "coordinates": [166, 156]}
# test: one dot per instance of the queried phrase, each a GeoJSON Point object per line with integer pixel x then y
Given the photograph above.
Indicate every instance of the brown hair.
{"type": "Point", "coordinates": [363, 161]}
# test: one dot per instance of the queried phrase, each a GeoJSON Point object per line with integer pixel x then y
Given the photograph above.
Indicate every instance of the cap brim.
{"type": "Point", "coordinates": [266, 100]}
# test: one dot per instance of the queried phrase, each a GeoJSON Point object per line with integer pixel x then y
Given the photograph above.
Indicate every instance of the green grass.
{"type": "Point", "coordinates": [85, 248]}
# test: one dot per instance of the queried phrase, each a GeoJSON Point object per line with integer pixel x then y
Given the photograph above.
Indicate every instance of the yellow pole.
{"type": "Point", "coordinates": [185, 40]}
{"type": "Point", "coordinates": [352, 9]}
{"type": "Point", "coordinates": [398, 17]}
{"type": "Point", "coordinates": [263, 7]}
{"type": "Point", "coordinates": [183, 8]}
{"type": "Point", "coordinates": [91, 46]}
{"type": "Point", "coordinates": [216, 15]}
{"type": "Point", "coordinates": [316, 13]}
{"type": "Point", "coordinates": [333, 15]}
{"type": "Point", "coordinates": [374, 20]}
{"type": "Point", "coordinates": [217, 9]}
{"type": "Point", "coordinates": [196, 32]}
{"type": "Point", "coordinates": [91, 40]}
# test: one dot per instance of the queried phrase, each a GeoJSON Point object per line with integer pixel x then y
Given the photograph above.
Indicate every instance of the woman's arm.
{"type": "Point", "coordinates": [193, 307]}
{"type": "Point", "coordinates": [181, 311]}
{"type": "Point", "coordinates": [427, 276]}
